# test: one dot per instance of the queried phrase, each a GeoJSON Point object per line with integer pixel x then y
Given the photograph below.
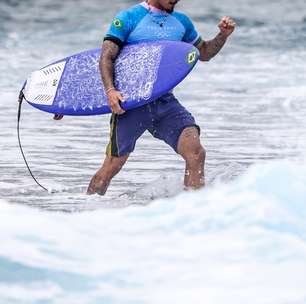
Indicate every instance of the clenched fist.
{"type": "Point", "coordinates": [227, 26]}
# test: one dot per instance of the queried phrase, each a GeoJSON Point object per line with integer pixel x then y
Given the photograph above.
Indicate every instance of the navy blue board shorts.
{"type": "Point", "coordinates": [165, 118]}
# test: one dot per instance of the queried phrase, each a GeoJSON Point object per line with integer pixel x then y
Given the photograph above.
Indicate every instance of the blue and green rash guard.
{"type": "Point", "coordinates": [143, 22]}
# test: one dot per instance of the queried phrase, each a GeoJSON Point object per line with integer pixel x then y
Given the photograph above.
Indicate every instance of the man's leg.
{"type": "Point", "coordinates": [125, 129]}
{"type": "Point", "coordinates": [101, 180]}
{"type": "Point", "coordinates": [190, 148]}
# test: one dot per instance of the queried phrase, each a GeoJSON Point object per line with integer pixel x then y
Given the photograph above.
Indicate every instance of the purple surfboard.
{"type": "Point", "coordinates": [143, 72]}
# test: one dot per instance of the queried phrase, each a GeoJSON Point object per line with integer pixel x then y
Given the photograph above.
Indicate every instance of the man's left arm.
{"type": "Point", "coordinates": [209, 49]}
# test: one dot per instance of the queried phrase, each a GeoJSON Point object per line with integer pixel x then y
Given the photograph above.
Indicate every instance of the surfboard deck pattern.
{"type": "Point", "coordinates": [143, 72]}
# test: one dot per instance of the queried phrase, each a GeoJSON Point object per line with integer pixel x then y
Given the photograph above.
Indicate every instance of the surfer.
{"type": "Point", "coordinates": [165, 118]}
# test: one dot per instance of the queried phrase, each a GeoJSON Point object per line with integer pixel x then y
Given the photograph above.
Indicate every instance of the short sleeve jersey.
{"type": "Point", "coordinates": [142, 22]}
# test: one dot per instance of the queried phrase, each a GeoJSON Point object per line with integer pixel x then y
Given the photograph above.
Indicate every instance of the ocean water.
{"type": "Point", "coordinates": [240, 240]}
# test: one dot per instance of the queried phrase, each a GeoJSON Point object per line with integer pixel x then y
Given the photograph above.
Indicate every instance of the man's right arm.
{"type": "Point", "coordinates": [110, 51]}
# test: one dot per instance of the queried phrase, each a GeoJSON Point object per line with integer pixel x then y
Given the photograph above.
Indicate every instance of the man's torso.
{"type": "Point", "coordinates": [143, 22]}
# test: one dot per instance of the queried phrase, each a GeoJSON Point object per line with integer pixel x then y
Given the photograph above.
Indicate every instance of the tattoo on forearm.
{"type": "Point", "coordinates": [212, 47]}
{"type": "Point", "coordinates": [106, 64]}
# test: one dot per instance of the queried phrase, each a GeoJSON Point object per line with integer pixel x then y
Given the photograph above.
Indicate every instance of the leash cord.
{"type": "Point", "coordinates": [20, 99]}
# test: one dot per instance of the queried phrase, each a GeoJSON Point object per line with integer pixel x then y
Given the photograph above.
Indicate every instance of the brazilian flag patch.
{"type": "Point", "coordinates": [192, 56]}
{"type": "Point", "coordinates": [117, 23]}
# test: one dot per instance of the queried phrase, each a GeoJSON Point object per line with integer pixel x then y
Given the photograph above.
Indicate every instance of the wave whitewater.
{"type": "Point", "coordinates": [244, 242]}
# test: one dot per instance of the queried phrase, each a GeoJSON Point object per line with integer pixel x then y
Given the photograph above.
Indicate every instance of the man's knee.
{"type": "Point", "coordinates": [114, 163]}
{"type": "Point", "coordinates": [195, 153]}
{"type": "Point", "coordinates": [189, 145]}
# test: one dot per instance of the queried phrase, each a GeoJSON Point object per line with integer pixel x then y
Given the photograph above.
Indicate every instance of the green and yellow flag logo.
{"type": "Point", "coordinates": [192, 56]}
{"type": "Point", "coordinates": [117, 23]}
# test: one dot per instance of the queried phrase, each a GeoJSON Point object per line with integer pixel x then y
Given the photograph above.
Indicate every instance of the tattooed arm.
{"type": "Point", "coordinates": [209, 49]}
{"type": "Point", "coordinates": [106, 65]}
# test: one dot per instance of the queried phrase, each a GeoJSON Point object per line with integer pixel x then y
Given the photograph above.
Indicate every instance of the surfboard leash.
{"type": "Point", "coordinates": [20, 100]}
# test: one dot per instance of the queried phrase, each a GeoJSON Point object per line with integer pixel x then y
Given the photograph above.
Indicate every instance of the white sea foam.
{"type": "Point", "coordinates": [235, 243]}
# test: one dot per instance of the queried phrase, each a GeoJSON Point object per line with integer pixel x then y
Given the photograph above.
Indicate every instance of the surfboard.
{"type": "Point", "coordinates": [143, 72]}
